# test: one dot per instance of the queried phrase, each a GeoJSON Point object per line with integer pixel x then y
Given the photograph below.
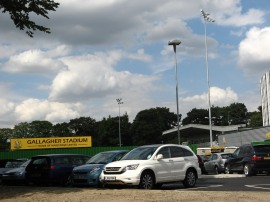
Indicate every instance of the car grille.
{"type": "Point", "coordinates": [80, 172]}
{"type": "Point", "coordinates": [112, 169]}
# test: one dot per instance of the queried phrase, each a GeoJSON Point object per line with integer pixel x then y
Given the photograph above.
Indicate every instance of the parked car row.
{"type": "Point", "coordinates": [248, 159]}
{"type": "Point", "coordinates": [146, 167]}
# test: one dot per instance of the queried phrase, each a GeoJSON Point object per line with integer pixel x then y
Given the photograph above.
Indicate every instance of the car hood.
{"type": "Point", "coordinates": [124, 163]}
{"type": "Point", "coordinates": [15, 170]}
{"type": "Point", "coordinates": [88, 167]}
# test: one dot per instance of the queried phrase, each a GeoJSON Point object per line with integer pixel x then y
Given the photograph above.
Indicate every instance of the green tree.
{"type": "Point", "coordinates": [61, 130]}
{"type": "Point", "coordinates": [41, 129]}
{"type": "Point", "coordinates": [255, 118]}
{"type": "Point", "coordinates": [5, 135]}
{"type": "Point", "coordinates": [148, 125]}
{"type": "Point", "coordinates": [84, 126]}
{"type": "Point", "coordinates": [22, 130]}
{"type": "Point", "coordinates": [21, 10]}
{"type": "Point", "coordinates": [238, 113]}
{"type": "Point", "coordinates": [108, 131]}
{"type": "Point", "coordinates": [196, 116]}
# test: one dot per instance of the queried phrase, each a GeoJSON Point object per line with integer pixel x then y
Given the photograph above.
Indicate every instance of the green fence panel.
{"type": "Point", "coordinates": [87, 151]}
{"type": "Point", "coordinates": [16, 154]}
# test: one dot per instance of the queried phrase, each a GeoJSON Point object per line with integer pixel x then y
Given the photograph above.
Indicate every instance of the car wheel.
{"type": "Point", "coordinates": [216, 170]}
{"type": "Point", "coordinates": [247, 170]}
{"type": "Point", "coordinates": [228, 169]}
{"type": "Point", "coordinates": [147, 181]}
{"type": "Point", "coordinates": [68, 182]}
{"type": "Point", "coordinates": [190, 179]}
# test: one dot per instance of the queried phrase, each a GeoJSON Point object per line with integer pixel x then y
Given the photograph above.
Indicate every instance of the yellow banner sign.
{"type": "Point", "coordinates": [268, 135]}
{"type": "Point", "coordinates": [48, 143]}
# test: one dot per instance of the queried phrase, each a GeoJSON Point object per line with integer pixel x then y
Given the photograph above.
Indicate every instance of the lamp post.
{"type": "Point", "coordinates": [208, 19]}
{"type": "Point", "coordinates": [175, 43]}
{"type": "Point", "coordinates": [119, 101]}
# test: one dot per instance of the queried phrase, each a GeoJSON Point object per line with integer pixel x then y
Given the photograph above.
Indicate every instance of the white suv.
{"type": "Point", "coordinates": [151, 166]}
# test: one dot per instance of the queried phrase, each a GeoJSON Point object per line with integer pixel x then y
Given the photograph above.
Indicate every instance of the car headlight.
{"type": "Point", "coordinates": [95, 169]}
{"type": "Point", "coordinates": [131, 167]}
{"type": "Point", "coordinates": [19, 173]}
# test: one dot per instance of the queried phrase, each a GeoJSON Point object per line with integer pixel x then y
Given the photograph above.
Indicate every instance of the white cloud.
{"type": "Point", "coordinates": [254, 51]}
{"type": "Point", "coordinates": [140, 55]}
{"type": "Point", "coordinates": [218, 97]}
{"type": "Point", "coordinates": [36, 61]}
{"type": "Point", "coordinates": [34, 109]}
{"type": "Point", "coordinates": [93, 76]}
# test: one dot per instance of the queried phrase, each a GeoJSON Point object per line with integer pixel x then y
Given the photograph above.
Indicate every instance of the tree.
{"type": "Point", "coordinates": [255, 118]}
{"type": "Point", "coordinates": [22, 130]}
{"type": "Point", "coordinates": [148, 125]}
{"type": "Point", "coordinates": [196, 116]}
{"type": "Point", "coordinates": [5, 134]}
{"type": "Point", "coordinates": [20, 11]}
{"type": "Point", "coordinates": [84, 126]}
{"type": "Point", "coordinates": [41, 128]}
{"type": "Point", "coordinates": [61, 130]}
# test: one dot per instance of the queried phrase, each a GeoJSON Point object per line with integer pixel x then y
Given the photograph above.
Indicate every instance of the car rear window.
{"type": "Point", "coordinates": [262, 149]}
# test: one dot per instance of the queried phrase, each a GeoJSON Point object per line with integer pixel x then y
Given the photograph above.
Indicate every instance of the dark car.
{"type": "Point", "coordinates": [88, 174]}
{"type": "Point", "coordinates": [249, 159]}
{"type": "Point", "coordinates": [201, 164]}
{"type": "Point", "coordinates": [216, 162]}
{"type": "Point", "coordinates": [53, 168]}
{"type": "Point", "coordinates": [15, 175]}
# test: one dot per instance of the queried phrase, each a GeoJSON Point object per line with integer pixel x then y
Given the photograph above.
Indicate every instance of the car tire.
{"type": "Point", "coordinates": [216, 170]}
{"type": "Point", "coordinates": [147, 181]}
{"type": "Point", "coordinates": [190, 179]}
{"type": "Point", "coordinates": [227, 169]}
{"type": "Point", "coordinates": [247, 170]}
{"type": "Point", "coordinates": [68, 182]}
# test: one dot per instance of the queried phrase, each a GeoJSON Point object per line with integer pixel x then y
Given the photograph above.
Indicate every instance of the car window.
{"type": "Point", "coordinates": [118, 157]}
{"type": "Point", "coordinates": [247, 150]}
{"type": "Point", "coordinates": [177, 152]}
{"type": "Point", "coordinates": [262, 148]}
{"type": "Point", "coordinates": [40, 162]}
{"type": "Point", "coordinates": [61, 160]}
{"type": "Point", "coordinates": [214, 157]}
{"type": "Point", "coordinates": [187, 152]}
{"type": "Point", "coordinates": [236, 152]}
{"type": "Point", "coordinates": [77, 160]}
{"type": "Point", "coordinates": [165, 151]}
{"type": "Point", "coordinates": [226, 156]}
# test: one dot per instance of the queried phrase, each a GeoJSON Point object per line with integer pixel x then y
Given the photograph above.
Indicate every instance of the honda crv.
{"type": "Point", "coordinates": [153, 165]}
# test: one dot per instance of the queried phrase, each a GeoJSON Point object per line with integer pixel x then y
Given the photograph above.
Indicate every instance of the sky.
{"type": "Point", "coordinates": [99, 51]}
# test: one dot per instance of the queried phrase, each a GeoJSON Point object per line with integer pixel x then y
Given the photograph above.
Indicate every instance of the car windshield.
{"type": "Point", "coordinates": [25, 163]}
{"type": "Point", "coordinates": [140, 153]}
{"type": "Point", "coordinates": [101, 158]}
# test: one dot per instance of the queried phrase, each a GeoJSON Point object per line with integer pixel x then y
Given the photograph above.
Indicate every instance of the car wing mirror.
{"type": "Point", "coordinates": [159, 156]}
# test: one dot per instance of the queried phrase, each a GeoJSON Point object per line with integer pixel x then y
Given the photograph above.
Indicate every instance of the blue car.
{"type": "Point", "coordinates": [88, 174]}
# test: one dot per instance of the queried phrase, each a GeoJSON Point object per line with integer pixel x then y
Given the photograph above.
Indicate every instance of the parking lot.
{"type": "Point", "coordinates": [209, 188]}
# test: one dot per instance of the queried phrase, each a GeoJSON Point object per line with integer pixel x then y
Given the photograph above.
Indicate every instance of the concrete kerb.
{"type": "Point", "coordinates": [223, 176]}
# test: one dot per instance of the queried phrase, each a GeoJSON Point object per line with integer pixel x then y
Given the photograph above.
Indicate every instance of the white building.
{"type": "Point", "coordinates": [265, 94]}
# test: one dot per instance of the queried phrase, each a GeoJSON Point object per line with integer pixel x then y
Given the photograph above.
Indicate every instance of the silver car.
{"type": "Point", "coordinates": [215, 163]}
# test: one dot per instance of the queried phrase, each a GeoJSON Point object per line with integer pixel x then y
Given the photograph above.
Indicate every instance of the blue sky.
{"type": "Point", "coordinates": [99, 51]}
